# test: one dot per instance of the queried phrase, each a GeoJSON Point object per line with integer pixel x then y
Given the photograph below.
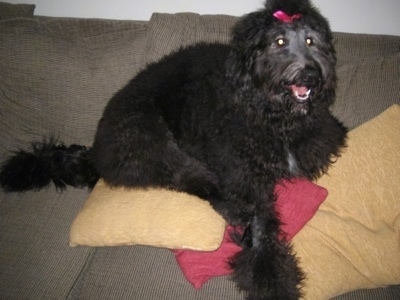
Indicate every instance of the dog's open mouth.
{"type": "Point", "coordinates": [300, 93]}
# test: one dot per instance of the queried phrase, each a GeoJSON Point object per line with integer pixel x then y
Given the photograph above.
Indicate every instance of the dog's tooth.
{"type": "Point", "coordinates": [304, 97]}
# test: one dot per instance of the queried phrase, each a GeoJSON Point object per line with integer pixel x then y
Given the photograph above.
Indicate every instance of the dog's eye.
{"type": "Point", "coordinates": [309, 41]}
{"type": "Point", "coordinates": [280, 42]}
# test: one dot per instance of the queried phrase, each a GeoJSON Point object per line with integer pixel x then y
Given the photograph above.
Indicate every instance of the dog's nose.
{"type": "Point", "coordinates": [310, 76]}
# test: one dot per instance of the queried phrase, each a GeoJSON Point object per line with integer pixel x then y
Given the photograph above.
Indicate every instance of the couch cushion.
{"type": "Point", "coordinates": [38, 98]}
{"type": "Point", "coordinates": [169, 32]}
{"type": "Point", "coordinates": [366, 89]}
{"type": "Point", "coordinates": [368, 76]}
{"type": "Point", "coordinates": [356, 47]}
{"type": "Point", "coordinates": [56, 75]}
{"type": "Point", "coordinates": [9, 11]}
{"type": "Point", "coordinates": [387, 293]}
{"type": "Point", "coordinates": [35, 259]}
{"type": "Point", "coordinates": [140, 272]}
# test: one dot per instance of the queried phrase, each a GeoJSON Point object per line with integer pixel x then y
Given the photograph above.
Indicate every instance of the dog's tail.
{"type": "Point", "coordinates": [46, 162]}
{"type": "Point", "coordinates": [266, 268]}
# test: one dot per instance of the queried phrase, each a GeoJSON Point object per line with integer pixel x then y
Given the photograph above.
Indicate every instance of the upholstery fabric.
{"type": "Point", "coordinates": [366, 84]}
{"type": "Point", "coordinates": [51, 63]}
{"type": "Point", "coordinates": [369, 76]}
{"type": "Point", "coordinates": [36, 261]}
{"type": "Point", "coordinates": [56, 75]}
{"type": "Point", "coordinates": [168, 33]}
{"type": "Point", "coordinates": [9, 11]}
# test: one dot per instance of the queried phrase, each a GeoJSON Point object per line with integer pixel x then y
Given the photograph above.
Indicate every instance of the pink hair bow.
{"type": "Point", "coordinates": [280, 15]}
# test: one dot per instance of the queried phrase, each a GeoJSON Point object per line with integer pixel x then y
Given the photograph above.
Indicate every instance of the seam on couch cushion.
{"type": "Point", "coordinates": [77, 285]}
{"type": "Point", "coordinates": [36, 261]}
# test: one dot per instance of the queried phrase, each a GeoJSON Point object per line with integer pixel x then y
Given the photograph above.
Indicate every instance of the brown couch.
{"type": "Point", "coordinates": [56, 75]}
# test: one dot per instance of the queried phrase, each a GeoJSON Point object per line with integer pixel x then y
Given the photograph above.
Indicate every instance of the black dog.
{"type": "Point", "coordinates": [223, 122]}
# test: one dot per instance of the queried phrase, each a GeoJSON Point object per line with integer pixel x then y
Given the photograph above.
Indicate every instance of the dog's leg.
{"type": "Point", "coordinates": [266, 267]}
{"type": "Point", "coordinates": [137, 149]}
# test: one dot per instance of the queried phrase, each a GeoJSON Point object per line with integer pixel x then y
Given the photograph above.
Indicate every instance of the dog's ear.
{"type": "Point", "coordinates": [248, 38]}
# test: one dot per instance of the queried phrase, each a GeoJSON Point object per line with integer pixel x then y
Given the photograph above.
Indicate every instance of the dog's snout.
{"type": "Point", "coordinates": [310, 76]}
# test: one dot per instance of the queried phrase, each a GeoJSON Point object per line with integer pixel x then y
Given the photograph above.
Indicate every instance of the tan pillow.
{"type": "Point", "coordinates": [353, 241]}
{"type": "Point", "coordinates": [154, 217]}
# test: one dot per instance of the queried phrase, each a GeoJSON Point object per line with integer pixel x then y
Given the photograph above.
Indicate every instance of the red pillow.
{"type": "Point", "coordinates": [297, 202]}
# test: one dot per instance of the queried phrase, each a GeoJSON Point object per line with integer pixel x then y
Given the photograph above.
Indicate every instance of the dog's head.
{"type": "Point", "coordinates": [285, 53]}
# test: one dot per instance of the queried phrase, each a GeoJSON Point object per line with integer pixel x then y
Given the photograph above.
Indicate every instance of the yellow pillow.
{"type": "Point", "coordinates": [353, 241]}
{"type": "Point", "coordinates": [153, 217]}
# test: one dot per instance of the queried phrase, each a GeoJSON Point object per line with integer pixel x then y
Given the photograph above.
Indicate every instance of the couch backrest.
{"type": "Point", "coordinates": [56, 75]}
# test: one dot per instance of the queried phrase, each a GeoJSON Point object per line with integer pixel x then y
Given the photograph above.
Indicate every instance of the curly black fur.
{"type": "Point", "coordinates": [224, 122]}
{"type": "Point", "coordinates": [49, 161]}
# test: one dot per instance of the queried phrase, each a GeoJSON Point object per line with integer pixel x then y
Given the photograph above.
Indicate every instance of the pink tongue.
{"type": "Point", "coordinates": [301, 90]}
